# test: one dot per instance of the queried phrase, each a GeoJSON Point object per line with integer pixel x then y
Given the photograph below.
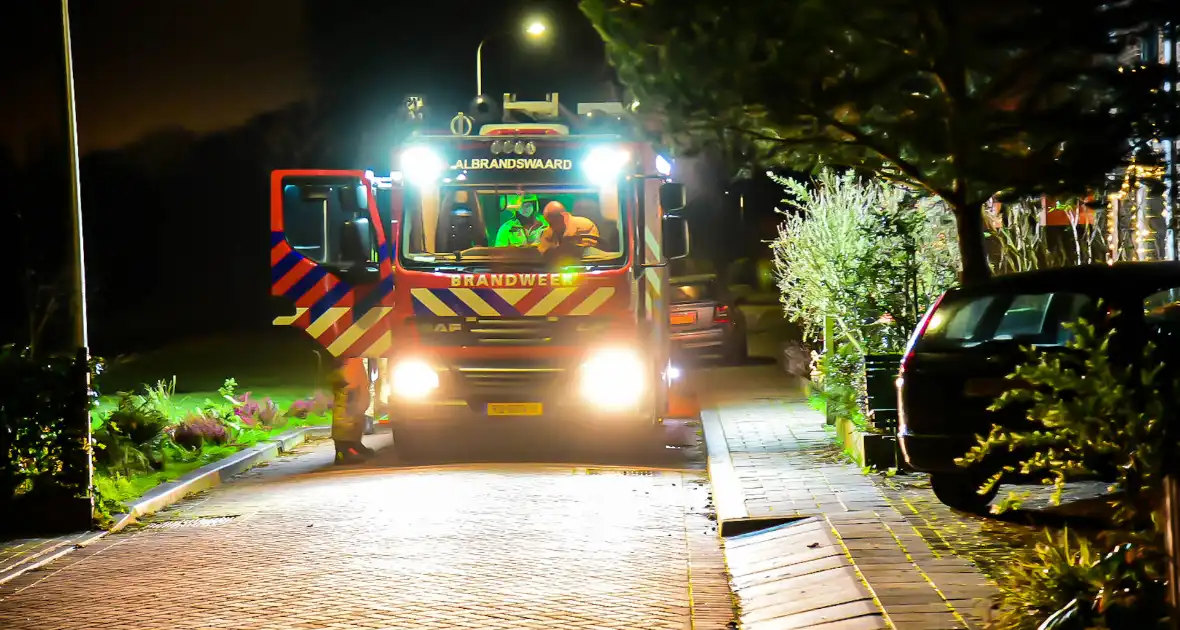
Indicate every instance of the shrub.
{"type": "Point", "coordinates": [872, 256]}
{"type": "Point", "coordinates": [1089, 416]}
{"type": "Point", "coordinates": [1066, 583]}
{"type": "Point", "coordinates": [130, 438]}
{"type": "Point", "coordinates": [268, 414]}
{"type": "Point", "coordinates": [43, 442]}
{"type": "Point", "coordinates": [247, 410]}
{"type": "Point", "coordinates": [139, 418]}
{"type": "Point", "coordinates": [160, 398]}
{"type": "Point", "coordinates": [200, 428]}
{"type": "Point", "coordinates": [299, 409]}
{"type": "Point", "coordinates": [321, 403]}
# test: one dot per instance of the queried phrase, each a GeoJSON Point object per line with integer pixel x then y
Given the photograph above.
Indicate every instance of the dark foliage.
{"type": "Point", "coordinates": [43, 426]}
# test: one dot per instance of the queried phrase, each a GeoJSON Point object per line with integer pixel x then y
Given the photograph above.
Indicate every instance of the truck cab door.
{"type": "Point", "coordinates": [331, 262]}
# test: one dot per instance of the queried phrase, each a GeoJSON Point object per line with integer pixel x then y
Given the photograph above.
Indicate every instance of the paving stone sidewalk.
{"type": "Point", "coordinates": [786, 465]}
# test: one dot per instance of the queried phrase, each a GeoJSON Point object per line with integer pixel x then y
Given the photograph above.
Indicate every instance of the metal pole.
{"type": "Point", "coordinates": [829, 352]}
{"type": "Point", "coordinates": [1171, 540]}
{"type": "Point", "coordinates": [1173, 143]}
{"type": "Point", "coordinates": [479, 68]}
{"type": "Point", "coordinates": [81, 335]}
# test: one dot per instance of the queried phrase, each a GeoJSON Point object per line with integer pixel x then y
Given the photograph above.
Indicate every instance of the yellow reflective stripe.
{"type": "Point", "coordinates": [287, 320]}
{"type": "Point", "coordinates": [432, 303]}
{"type": "Point", "coordinates": [325, 321]}
{"type": "Point", "coordinates": [476, 303]}
{"type": "Point", "coordinates": [354, 332]}
{"type": "Point", "coordinates": [512, 296]}
{"type": "Point", "coordinates": [596, 299]}
{"type": "Point", "coordinates": [551, 301]}
{"type": "Point", "coordinates": [379, 347]}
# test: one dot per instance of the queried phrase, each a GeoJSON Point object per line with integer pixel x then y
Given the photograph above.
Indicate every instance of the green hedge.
{"type": "Point", "coordinates": [44, 416]}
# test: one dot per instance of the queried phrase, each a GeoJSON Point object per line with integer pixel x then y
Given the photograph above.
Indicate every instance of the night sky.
{"type": "Point", "coordinates": [185, 107]}
{"type": "Point", "coordinates": [142, 65]}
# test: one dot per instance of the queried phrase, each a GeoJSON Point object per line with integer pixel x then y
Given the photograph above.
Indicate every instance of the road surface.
{"type": "Point", "coordinates": [559, 530]}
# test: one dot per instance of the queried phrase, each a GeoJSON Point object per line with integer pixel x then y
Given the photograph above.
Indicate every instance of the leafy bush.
{"type": "Point", "coordinates": [1089, 416]}
{"type": "Point", "coordinates": [141, 419]}
{"type": "Point", "coordinates": [1092, 410]}
{"type": "Point", "coordinates": [198, 429]}
{"type": "Point", "coordinates": [299, 409]}
{"type": "Point", "coordinates": [872, 256]}
{"type": "Point", "coordinates": [321, 403]}
{"type": "Point", "coordinates": [838, 379]}
{"type": "Point", "coordinates": [130, 438]}
{"type": "Point", "coordinates": [1065, 583]}
{"type": "Point", "coordinates": [43, 410]}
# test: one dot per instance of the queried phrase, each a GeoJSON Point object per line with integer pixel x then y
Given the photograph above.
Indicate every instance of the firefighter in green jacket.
{"type": "Point", "coordinates": [526, 224]}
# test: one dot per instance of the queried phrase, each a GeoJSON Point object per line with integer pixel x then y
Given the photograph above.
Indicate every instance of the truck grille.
{"type": "Point", "coordinates": [530, 331]}
{"type": "Point", "coordinates": [482, 381]}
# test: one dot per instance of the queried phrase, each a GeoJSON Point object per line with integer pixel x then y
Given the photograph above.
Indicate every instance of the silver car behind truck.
{"type": "Point", "coordinates": [705, 320]}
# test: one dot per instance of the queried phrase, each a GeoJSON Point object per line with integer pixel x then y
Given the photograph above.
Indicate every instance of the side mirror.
{"type": "Point", "coordinates": [676, 239]}
{"type": "Point", "coordinates": [672, 197]}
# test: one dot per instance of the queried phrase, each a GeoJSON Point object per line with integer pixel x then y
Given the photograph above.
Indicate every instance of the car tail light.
{"type": "Point", "coordinates": [721, 314]}
{"type": "Point", "coordinates": [918, 332]}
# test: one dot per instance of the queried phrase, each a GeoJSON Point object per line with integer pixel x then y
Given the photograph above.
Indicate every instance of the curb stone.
{"type": "Point", "coordinates": [207, 476]}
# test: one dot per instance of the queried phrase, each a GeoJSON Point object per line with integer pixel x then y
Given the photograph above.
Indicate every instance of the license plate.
{"type": "Point", "coordinates": [679, 319]}
{"type": "Point", "coordinates": [514, 409]}
{"type": "Point", "coordinates": [986, 387]}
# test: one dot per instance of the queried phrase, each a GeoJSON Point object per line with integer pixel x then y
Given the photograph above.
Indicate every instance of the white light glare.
{"type": "Point", "coordinates": [604, 164]}
{"type": "Point", "coordinates": [421, 166]}
{"type": "Point", "coordinates": [614, 379]}
{"type": "Point", "coordinates": [414, 379]}
{"type": "Point", "coordinates": [663, 166]}
{"type": "Point", "coordinates": [673, 372]}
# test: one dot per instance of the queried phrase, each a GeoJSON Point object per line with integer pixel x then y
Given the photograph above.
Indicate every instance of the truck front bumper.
{"type": "Point", "coordinates": [500, 392]}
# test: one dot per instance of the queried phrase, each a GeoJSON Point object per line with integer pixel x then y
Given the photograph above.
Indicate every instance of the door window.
{"type": "Point", "coordinates": [327, 220]}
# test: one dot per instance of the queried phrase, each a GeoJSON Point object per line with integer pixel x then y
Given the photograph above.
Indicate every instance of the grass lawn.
{"type": "Point", "coordinates": [282, 366]}
{"type": "Point", "coordinates": [283, 359]}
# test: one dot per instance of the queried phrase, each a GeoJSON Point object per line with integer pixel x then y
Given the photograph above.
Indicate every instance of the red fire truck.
{"type": "Point", "coordinates": [461, 326]}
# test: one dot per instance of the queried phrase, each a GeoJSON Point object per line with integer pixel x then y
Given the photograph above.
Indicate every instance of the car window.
{"type": "Point", "coordinates": [1033, 318]}
{"type": "Point", "coordinates": [693, 292]}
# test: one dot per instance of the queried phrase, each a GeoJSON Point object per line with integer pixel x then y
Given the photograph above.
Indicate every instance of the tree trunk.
{"type": "Point", "coordinates": [972, 251]}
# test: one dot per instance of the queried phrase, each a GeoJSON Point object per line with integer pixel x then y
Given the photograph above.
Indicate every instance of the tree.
{"type": "Point", "coordinates": [963, 99]}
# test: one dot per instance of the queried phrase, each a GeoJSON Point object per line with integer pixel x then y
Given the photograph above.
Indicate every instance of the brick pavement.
{"type": "Point", "coordinates": [297, 545]}
{"type": "Point", "coordinates": [787, 465]}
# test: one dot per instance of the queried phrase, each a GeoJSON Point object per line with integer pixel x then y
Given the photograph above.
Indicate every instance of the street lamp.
{"type": "Point", "coordinates": [81, 336]}
{"type": "Point", "coordinates": [534, 29]}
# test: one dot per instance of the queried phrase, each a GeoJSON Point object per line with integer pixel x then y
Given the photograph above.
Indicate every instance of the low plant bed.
{"type": "Point", "coordinates": [142, 440]}
{"type": "Point", "coordinates": [858, 440]}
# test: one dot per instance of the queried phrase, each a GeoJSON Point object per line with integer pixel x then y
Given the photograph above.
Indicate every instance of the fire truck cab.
{"type": "Point", "coordinates": [514, 270]}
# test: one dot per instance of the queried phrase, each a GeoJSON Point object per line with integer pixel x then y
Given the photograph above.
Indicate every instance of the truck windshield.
{"type": "Point", "coordinates": [544, 227]}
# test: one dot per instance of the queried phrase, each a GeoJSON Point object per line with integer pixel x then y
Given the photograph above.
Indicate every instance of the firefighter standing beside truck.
{"type": "Point", "coordinates": [350, 391]}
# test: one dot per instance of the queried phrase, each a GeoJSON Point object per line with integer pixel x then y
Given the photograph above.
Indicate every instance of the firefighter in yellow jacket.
{"type": "Point", "coordinates": [350, 389]}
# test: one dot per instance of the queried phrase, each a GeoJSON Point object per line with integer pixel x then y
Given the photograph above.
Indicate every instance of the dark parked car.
{"type": "Point", "coordinates": [971, 339]}
{"type": "Point", "coordinates": [705, 320]}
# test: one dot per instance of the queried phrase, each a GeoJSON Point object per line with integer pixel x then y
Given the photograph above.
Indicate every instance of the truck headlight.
{"type": "Point", "coordinates": [421, 166]}
{"type": "Point", "coordinates": [414, 379]}
{"type": "Point", "coordinates": [614, 379]}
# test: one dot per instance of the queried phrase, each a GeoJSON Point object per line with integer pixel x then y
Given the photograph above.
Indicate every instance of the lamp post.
{"type": "Point", "coordinates": [534, 29]}
{"type": "Point", "coordinates": [81, 337]}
